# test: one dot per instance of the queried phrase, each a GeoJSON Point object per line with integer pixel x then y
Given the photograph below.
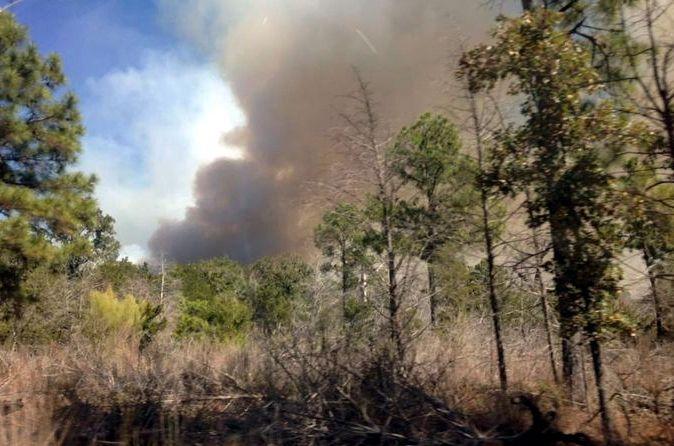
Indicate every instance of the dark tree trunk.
{"type": "Point", "coordinates": [566, 305]}
{"type": "Point", "coordinates": [493, 299]}
{"type": "Point", "coordinates": [569, 357]}
{"type": "Point", "coordinates": [345, 283]}
{"type": "Point", "coordinates": [668, 121]}
{"type": "Point", "coordinates": [393, 301]}
{"type": "Point", "coordinates": [597, 366]}
{"type": "Point", "coordinates": [538, 277]}
{"type": "Point", "coordinates": [489, 249]}
{"type": "Point", "coordinates": [432, 292]}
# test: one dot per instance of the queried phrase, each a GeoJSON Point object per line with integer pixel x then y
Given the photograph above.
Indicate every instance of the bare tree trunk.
{"type": "Point", "coordinates": [660, 70]}
{"type": "Point", "coordinates": [345, 284]}
{"type": "Point", "coordinates": [527, 5]}
{"type": "Point", "coordinates": [163, 278]}
{"type": "Point", "coordinates": [489, 249]}
{"type": "Point", "coordinates": [432, 292]}
{"type": "Point", "coordinates": [370, 146]}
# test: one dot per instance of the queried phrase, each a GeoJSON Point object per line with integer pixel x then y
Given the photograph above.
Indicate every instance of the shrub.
{"type": "Point", "coordinates": [278, 286]}
{"type": "Point", "coordinates": [108, 315]}
{"type": "Point", "coordinates": [207, 279]}
{"type": "Point", "coordinates": [222, 318]}
{"type": "Point", "coordinates": [53, 313]}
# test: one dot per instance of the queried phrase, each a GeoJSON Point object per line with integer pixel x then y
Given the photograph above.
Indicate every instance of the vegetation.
{"type": "Point", "coordinates": [43, 208]}
{"type": "Point", "coordinates": [462, 262]}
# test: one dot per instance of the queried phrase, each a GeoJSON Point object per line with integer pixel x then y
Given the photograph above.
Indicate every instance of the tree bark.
{"type": "Point", "coordinates": [546, 323]}
{"type": "Point", "coordinates": [657, 305]}
{"type": "Point", "coordinates": [567, 337]}
{"type": "Point", "coordinates": [493, 299]}
{"type": "Point", "coordinates": [345, 284]}
{"type": "Point", "coordinates": [538, 278]}
{"type": "Point", "coordinates": [432, 292]}
{"type": "Point", "coordinates": [565, 303]}
{"type": "Point", "coordinates": [597, 366]}
{"type": "Point", "coordinates": [393, 301]}
{"type": "Point", "coordinates": [489, 249]}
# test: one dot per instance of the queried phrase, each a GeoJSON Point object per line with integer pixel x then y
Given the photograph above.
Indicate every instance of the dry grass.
{"type": "Point", "coordinates": [92, 393]}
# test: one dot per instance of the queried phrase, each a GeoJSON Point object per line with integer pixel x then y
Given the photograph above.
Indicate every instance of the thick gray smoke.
{"type": "Point", "coordinates": [286, 62]}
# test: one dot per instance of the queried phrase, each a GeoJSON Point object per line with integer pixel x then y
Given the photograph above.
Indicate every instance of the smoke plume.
{"type": "Point", "coordinates": [286, 61]}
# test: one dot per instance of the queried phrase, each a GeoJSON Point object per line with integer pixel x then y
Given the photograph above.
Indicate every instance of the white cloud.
{"type": "Point", "coordinates": [149, 130]}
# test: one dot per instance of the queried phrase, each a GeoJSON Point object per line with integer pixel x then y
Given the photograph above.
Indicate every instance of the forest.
{"type": "Point", "coordinates": [500, 272]}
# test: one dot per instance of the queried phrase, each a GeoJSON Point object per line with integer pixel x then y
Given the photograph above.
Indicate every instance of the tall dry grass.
{"type": "Point", "coordinates": [300, 385]}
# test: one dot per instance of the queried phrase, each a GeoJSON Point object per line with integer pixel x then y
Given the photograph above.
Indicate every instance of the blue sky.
{"type": "Point", "coordinates": [155, 107]}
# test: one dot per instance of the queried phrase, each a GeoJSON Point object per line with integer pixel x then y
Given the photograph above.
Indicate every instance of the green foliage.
{"type": "Point", "coordinates": [427, 156]}
{"type": "Point", "coordinates": [220, 299]}
{"type": "Point", "coordinates": [210, 278]}
{"type": "Point", "coordinates": [341, 238]}
{"type": "Point", "coordinates": [119, 273]}
{"type": "Point", "coordinates": [43, 205]}
{"type": "Point", "coordinates": [455, 290]}
{"type": "Point", "coordinates": [645, 202]}
{"type": "Point", "coordinates": [357, 311]}
{"type": "Point", "coordinates": [55, 314]}
{"type": "Point", "coordinates": [212, 304]}
{"type": "Point", "coordinates": [278, 288]}
{"type": "Point", "coordinates": [104, 246]}
{"type": "Point", "coordinates": [464, 290]}
{"type": "Point", "coordinates": [108, 316]}
{"type": "Point", "coordinates": [562, 152]}
{"type": "Point", "coordinates": [225, 318]}
{"type": "Point", "coordinates": [152, 322]}
{"type": "Point", "coordinates": [394, 212]}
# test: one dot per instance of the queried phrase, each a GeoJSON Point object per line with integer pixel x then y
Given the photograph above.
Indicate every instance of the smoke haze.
{"type": "Point", "coordinates": [286, 61]}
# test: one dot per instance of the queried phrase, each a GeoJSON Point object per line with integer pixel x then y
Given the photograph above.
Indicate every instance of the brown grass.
{"type": "Point", "coordinates": [292, 390]}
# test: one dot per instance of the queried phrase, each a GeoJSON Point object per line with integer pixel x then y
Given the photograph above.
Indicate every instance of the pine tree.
{"type": "Point", "coordinates": [428, 158]}
{"type": "Point", "coordinates": [43, 206]}
{"type": "Point", "coordinates": [341, 238]}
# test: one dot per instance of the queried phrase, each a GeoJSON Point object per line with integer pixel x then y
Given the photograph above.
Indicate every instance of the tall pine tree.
{"type": "Point", "coordinates": [44, 207]}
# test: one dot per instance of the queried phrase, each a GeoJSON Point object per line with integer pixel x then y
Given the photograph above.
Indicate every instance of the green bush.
{"type": "Point", "coordinates": [224, 318]}
{"type": "Point", "coordinates": [208, 279]}
{"type": "Point", "coordinates": [278, 286]}
{"type": "Point", "coordinates": [53, 313]}
{"type": "Point", "coordinates": [119, 273]}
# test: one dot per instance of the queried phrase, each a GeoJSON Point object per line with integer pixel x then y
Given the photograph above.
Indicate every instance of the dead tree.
{"type": "Point", "coordinates": [487, 232]}
{"type": "Point", "coordinates": [368, 148]}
